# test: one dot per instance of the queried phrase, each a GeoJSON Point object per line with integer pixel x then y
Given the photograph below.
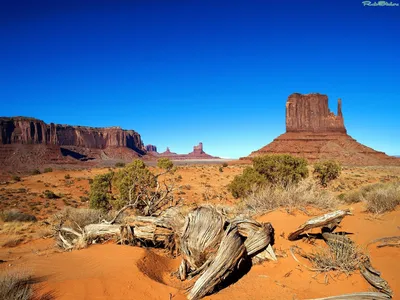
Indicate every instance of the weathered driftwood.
{"type": "Point", "coordinates": [258, 236]}
{"type": "Point", "coordinates": [212, 247]}
{"type": "Point", "coordinates": [375, 280]}
{"type": "Point", "coordinates": [230, 251]}
{"type": "Point", "coordinates": [391, 241]}
{"type": "Point", "coordinates": [69, 238]}
{"type": "Point", "coordinates": [357, 296]}
{"type": "Point", "coordinates": [328, 221]}
{"type": "Point", "coordinates": [201, 236]}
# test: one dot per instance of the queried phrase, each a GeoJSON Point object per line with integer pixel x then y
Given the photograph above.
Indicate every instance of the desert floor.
{"type": "Point", "coordinates": [113, 271]}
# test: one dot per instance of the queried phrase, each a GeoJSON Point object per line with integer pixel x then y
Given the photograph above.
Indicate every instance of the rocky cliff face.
{"type": "Point", "coordinates": [21, 130]}
{"type": "Point", "coordinates": [315, 133]}
{"type": "Point", "coordinates": [151, 148]}
{"type": "Point", "coordinates": [310, 113]}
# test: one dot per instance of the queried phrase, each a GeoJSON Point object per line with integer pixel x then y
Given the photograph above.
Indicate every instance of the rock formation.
{"type": "Point", "coordinates": [197, 153]}
{"type": "Point", "coordinates": [310, 113]}
{"type": "Point", "coordinates": [151, 148]}
{"type": "Point", "coordinates": [315, 133]}
{"type": "Point", "coordinates": [31, 141]}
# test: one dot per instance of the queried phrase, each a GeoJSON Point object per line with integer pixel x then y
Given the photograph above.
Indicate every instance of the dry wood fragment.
{"type": "Point", "coordinates": [329, 221]}
{"type": "Point", "coordinates": [391, 241]}
{"type": "Point", "coordinates": [376, 281]}
{"type": "Point", "coordinates": [357, 296]}
{"type": "Point", "coordinates": [227, 257]}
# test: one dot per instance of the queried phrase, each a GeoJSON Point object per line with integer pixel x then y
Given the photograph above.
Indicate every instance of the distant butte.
{"type": "Point", "coordinates": [197, 153]}
{"type": "Point", "coordinates": [315, 133]}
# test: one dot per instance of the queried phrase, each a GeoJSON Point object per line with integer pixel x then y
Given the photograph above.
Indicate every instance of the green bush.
{"type": "Point", "coordinates": [16, 178]}
{"type": "Point", "coordinates": [243, 184]}
{"type": "Point", "coordinates": [50, 194]}
{"type": "Point", "coordinates": [67, 176]}
{"type": "Point", "coordinates": [100, 191]}
{"type": "Point", "coordinates": [165, 163]}
{"type": "Point", "coordinates": [119, 165]}
{"type": "Point", "coordinates": [47, 170]}
{"type": "Point", "coordinates": [282, 169]}
{"type": "Point", "coordinates": [35, 172]}
{"type": "Point", "coordinates": [327, 171]}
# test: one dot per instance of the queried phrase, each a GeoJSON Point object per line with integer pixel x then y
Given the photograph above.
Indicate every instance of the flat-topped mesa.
{"type": "Point", "coordinates": [310, 113]}
{"type": "Point", "coordinates": [24, 130]}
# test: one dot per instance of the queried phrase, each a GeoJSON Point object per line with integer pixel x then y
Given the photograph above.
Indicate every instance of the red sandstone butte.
{"type": "Point", "coordinates": [197, 153]}
{"type": "Point", "coordinates": [29, 141]}
{"type": "Point", "coordinates": [315, 133]}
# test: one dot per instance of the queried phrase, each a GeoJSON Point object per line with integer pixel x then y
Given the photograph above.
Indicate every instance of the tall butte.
{"type": "Point", "coordinates": [315, 133]}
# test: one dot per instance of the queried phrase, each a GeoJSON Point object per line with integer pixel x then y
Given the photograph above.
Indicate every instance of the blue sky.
{"type": "Point", "coordinates": [181, 72]}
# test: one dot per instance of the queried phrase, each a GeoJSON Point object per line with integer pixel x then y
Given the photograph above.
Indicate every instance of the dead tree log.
{"type": "Point", "coordinates": [391, 241]}
{"type": "Point", "coordinates": [329, 221]}
{"type": "Point", "coordinates": [373, 277]}
{"type": "Point", "coordinates": [230, 251]}
{"type": "Point", "coordinates": [357, 296]}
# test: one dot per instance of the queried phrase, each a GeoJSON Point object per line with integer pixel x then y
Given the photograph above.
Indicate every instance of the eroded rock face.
{"type": "Point", "coordinates": [315, 133]}
{"type": "Point", "coordinates": [151, 148]}
{"type": "Point", "coordinates": [21, 130]}
{"type": "Point", "coordinates": [310, 113]}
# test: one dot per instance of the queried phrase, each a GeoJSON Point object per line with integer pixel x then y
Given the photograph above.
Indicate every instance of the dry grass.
{"type": "Point", "coordinates": [378, 198]}
{"type": "Point", "coordinates": [382, 198]}
{"type": "Point", "coordinates": [339, 256]}
{"type": "Point", "coordinates": [15, 215]}
{"type": "Point", "coordinates": [77, 218]}
{"type": "Point", "coordinates": [19, 286]}
{"type": "Point", "coordinates": [305, 193]}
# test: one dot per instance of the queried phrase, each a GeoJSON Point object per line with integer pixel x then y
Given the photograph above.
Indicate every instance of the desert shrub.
{"type": "Point", "coordinates": [19, 286]}
{"type": "Point", "coordinates": [35, 172]}
{"type": "Point", "coordinates": [281, 169]}
{"type": "Point", "coordinates": [50, 194]}
{"type": "Point", "coordinates": [77, 218]}
{"type": "Point", "coordinates": [224, 165]}
{"type": "Point", "coordinates": [100, 191]}
{"type": "Point", "coordinates": [165, 163]}
{"type": "Point", "coordinates": [221, 169]}
{"type": "Point", "coordinates": [119, 165]}
{"type": "Point", "coordinates": [135, 185]}
{"type": "Point", "coordinates": [47, 170]}
{"type": "Point", "coordinates": [339, 256]}
{"type": "Point", "coordinates": [277, 170]}
{"type": "Point", "coordinates": [301, 195]}
{"type": "Point", "coordinates": [16, 178]}
{"type": "Point", "coordinates": [16, 216]}
{"type": "Point", "coordinates": [353, 197]}
{"type": "Point", "coordinates": [381, 198]}
{"type": "Point", "coordinates": [327, 171]}
{"type": "Point", "coordinates": [243, 184]}
{"type": "Point", "coordinates": [67, 176]}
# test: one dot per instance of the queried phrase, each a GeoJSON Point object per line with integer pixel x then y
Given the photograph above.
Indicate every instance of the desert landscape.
{"type": "Point", "coordinates": [112, 265]}
{"type": "Point", "coordinates": [171, 150]}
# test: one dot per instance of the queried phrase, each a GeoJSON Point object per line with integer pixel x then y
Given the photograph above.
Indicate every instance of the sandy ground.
{"type": "Point", "coordinates": [112, 271]}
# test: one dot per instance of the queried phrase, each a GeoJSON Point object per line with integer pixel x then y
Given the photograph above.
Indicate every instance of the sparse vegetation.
{"type": "Point", "coordinates": [18, 286]}
{"type": "Point", "coordinates": [165, 163]}
{"type": "Point", "coordinates": [16, 216]}
{"type": "Point", "coordinates": [305, 193]}
{"type": "Point", "coordinates": [134, 185]}
{"type": "Point", "coordinates": [16, 178]}
{"type": "Point", "coordinates": [50, 194]}
{"type": "Point", "coordinates": [67, 176]}
{"type": "Point", "coordinates": [339, 256]}
{"type": "Point", "coordinates": [381, 198]}
{"type": "Point", "coordinates": [224, 165]}
{"type": "Point", "coordinates": [119, 165]}
{"type": "Point", "coordinates": [35, 172]}
{"type": "Point", "coordinates": [276, 170]}
{"type": "Point", "coordinates": [243, 184]}
{"type": "Point", "coordinates": [47, 170]}
{"type": "Point", "coordinates": [327, 171]}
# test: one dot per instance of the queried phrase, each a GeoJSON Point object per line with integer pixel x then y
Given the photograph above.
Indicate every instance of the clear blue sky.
{"type": "Point", "coordinates": [181, 72]}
